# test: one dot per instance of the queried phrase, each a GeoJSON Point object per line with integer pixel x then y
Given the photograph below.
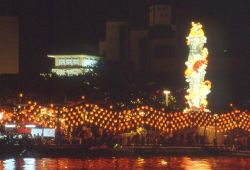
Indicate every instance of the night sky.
{"type": "Point", "coordinates": [48, 25]}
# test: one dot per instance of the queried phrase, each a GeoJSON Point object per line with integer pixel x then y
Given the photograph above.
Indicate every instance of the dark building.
{"type": "Point", "coordinates": [151, 48]}
{"type": "Point", "coordinates": [9, 45]}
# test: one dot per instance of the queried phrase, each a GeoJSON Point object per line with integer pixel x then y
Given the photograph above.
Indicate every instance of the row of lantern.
{"type": "Point", "coordinates": [123, 121]}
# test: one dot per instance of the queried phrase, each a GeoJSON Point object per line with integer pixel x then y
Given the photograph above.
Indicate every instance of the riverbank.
{"type": "Point", "coordinates": [182, 151]}
{"type": "Point", "coordinates": [117, 151]}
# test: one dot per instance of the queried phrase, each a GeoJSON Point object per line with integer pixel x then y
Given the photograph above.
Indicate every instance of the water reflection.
{"type": "Point", "coordinates": [29, 163]}
{"type": "Point", "coordinates": [128, 163]}
{"type": "Point", "coordinates": [9, 164]}
{"type": "Point", "coordinates": [140, 161]}
{"type": "Point", "coordinates": [164, 162]}
{"type": "Point", "coordinates": [193, 164]}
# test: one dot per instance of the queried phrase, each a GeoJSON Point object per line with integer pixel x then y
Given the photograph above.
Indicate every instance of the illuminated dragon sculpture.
{"type": "Point", "coordinates": [198, 88]}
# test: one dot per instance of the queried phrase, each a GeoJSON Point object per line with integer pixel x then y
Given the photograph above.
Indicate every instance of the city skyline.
{"type": "Point", "coordinates": [64, 24]}
{"type": "Point", "coordinates": [58, 25]}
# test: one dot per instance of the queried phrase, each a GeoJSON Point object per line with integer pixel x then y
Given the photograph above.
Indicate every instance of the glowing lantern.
{"type": "Point", "coordinates": [196, 70]}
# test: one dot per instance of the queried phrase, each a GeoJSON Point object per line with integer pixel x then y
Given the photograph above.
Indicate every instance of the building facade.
{"type": "Point", "coordinates": [9, 45]}
{"type": "Point", "coordinates": [73, 64]}
{"type": "Point", "coordinates": [151, 48]}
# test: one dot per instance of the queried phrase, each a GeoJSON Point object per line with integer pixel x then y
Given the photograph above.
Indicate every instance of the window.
{"type": "Point", "coordinates": [75, 62]}
{"type": "Point", "coordinates": [89, 63]}
{"type": "Point", "coordinates": [68, 62]}
{"type": "Point", "coordinates": [61, 62]}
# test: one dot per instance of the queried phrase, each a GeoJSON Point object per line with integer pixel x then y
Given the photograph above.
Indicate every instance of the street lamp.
{"type": "Point", "coordinates": [166, 92]}
{"type": "Point", "coordinates": [83, 97]}
{"type": "Point", "coordinates": [20, 97]}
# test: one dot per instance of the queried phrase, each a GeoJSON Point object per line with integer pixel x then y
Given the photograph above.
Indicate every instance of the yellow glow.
{"type": "Point", "coordinates": [20, 94]}
{"type": "Point", "coordinates": [196, 69]}
{"type": "Point", "coordinates": [124, 120]}
{"type": "Point", "coordinates": [166, 92]}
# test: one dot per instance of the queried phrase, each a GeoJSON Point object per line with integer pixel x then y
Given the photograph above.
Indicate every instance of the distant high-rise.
{"type": "Point", "coordinates": [9, 45]}
{"type": "Point", "coordinates": [150, 48]}
{"type": "Point", "coordinates": [160, 15]}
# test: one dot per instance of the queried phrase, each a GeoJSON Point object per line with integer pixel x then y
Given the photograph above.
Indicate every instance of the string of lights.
{"type": "Point", "coordinates": [122, 121]}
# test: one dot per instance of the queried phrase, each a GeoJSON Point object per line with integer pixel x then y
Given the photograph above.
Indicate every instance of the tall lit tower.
{"type": "Point", "coordinates": [198, 88]}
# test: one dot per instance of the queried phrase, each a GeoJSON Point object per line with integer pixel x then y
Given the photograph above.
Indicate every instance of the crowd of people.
{"type": "Point", "coordinates": [92, 136]}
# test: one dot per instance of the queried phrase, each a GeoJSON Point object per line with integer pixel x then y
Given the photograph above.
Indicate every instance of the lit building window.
{"type": "Point", "coordinates": [75, 62]}
{"type": "Point", "coordinates": [73, 65]}
{"type": "Point", "coordinates": [61, 62]}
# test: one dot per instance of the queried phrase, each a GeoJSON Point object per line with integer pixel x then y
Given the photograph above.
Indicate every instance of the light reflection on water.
{"type": "Point", "coordinates": [9, 164]}
{"type": "Point", "coordinates": [128, 163]}
{"type": "Point", "coordinates": [188, 163]}
{"type": "Point", "coordinates": [29, 163]}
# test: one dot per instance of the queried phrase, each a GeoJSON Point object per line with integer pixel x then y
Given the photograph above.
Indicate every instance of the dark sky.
{"type": "Point", "coordinates": [47, 25]}
{"type": "Point", "coordinates": [51, 24]}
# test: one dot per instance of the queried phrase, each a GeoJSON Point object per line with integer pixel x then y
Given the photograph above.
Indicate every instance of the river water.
{"type": "Point", "coordinates": [128, 163]}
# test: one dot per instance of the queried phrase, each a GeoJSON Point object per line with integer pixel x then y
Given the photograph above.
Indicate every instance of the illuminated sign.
{"type": "Point", "coordinates": [36, 132]}
{"type": "Point", "coordinates": [49, 132]}
{"type": "Point", "coordinates": [10, 126]}
{"type": "Point", "coordinates": [30, 126]}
